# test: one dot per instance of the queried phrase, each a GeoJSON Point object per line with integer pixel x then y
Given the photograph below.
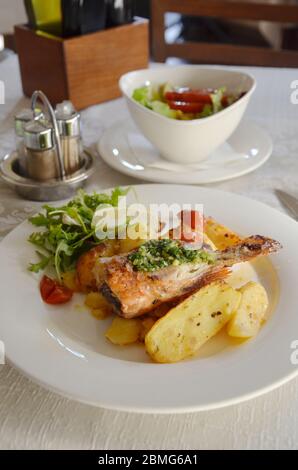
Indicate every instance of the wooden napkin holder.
{"type": "Point", "coordinates": [83, 69]}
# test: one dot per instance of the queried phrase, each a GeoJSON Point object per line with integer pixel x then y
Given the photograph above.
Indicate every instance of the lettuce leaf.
{"type": "Point", "coordinates": [216, 99]}
{"type": "Point", "coordinates": [164, 109]}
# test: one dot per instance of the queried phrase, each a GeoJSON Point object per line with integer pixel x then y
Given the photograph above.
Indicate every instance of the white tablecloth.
{"type": "Point", "coordinates": [32, 417]}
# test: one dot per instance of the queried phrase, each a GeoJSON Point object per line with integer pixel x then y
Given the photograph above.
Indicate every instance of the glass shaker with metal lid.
{"type": "Point", "coordinates": [21, 119]}
{"type": "Point", "coordinates": [69, 125]}
{"type": "Point", "coordinates": [41, 151]}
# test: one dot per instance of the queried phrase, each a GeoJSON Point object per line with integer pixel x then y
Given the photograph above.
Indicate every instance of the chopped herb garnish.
{"type": "Point", "coordinates": [158, 254]}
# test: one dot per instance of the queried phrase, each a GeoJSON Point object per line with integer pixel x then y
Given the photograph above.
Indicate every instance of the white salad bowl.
{"type": "Point", "coordinates": [188, 141]}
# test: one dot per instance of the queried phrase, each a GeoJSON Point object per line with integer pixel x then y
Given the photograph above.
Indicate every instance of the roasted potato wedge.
{"type": "Point", "coordinates": [251, 312]}
{"type": "Point", "coordinates": [70, 280]}
{"type": "Point", "coordinates": [127, 244]}
{"type": "Point", "coordinates": [185, 328]}
{"type": "Point", "coordinates": [96, 300]}
{"type": "Point", "coordinates": [209, 242]}
{"type": "Point", "coordinates": [221, 236]}
{"type": "Point", "coordinates": [100, 313]}
{"type": "Point", "coordinates": [136, 236]}
{"type": "Point", "coordinates": [123, 331]}
{"type": "Point", "coordinates": [98, 305]}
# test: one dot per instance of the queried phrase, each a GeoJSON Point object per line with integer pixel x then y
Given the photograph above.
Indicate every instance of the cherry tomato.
{"type": "Point", "coordinates": [190, 96]}
{"type": "Point", "coordinates": [60, 295]}
{"type": "Point", "coordinates": [192, 218]}
{"type": "Point", "coordinates": [191, 228]}
{"type": "Point", "coordinates": [53, 293]}
{"type": "Point", "coordinates": [186, 107]}
{"type": "Point", "coordinates": [190, 236]}
{"type": "Point", "coordinates": [47, 285]}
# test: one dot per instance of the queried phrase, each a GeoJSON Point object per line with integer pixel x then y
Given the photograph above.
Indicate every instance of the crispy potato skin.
{"type": "Point", "coordinates": [182, 331]}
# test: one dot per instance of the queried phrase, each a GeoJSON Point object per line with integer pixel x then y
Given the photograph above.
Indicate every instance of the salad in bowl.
{"type": "Point", "coordinates": [168, 105]}
{"type": "Point", "coordinates": [184, 103]}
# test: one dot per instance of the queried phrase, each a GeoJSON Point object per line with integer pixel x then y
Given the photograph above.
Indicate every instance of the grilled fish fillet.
{"type": "Point", "coordinates": [133, 293]}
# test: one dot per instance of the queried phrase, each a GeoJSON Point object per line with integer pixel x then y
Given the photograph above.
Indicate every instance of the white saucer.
{"type": "Point", "coordinates": [125, 149]}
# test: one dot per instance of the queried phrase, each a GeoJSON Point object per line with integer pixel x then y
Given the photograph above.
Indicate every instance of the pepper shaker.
{"type": "Point", "coordinates": [69, 125]}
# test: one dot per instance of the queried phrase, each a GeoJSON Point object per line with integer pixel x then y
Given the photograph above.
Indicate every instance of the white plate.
{"type": "Point", "coordinates": [64, 349]}
{"type": "Point", "coordinates": [125, 149]}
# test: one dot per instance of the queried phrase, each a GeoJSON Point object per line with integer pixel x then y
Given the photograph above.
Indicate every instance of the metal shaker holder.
{"type": "Point", "coordinates": [47, 174]}
{"type": "Point", "coordinates": [39, 95]}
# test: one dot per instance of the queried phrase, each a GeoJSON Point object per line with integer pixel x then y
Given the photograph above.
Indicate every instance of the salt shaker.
{"type": "Point", "coordinates": [69, 125]}
{"type": "Point", "coordinates": [21, 119]}
{"type": "Point", "coordinates": [41, 151]}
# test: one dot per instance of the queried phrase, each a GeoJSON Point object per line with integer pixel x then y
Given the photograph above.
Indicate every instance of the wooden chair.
{"type": "Point", "coordinates": [216, 53]}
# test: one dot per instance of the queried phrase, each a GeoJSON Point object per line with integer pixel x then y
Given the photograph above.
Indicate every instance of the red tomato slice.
{"type": "Point", "coordinates": [186, 107]}
{"type": "Point", "coordinates": [225, 101]}
{"type": "Point", "coordinates": [53, 293]}
{"type": "Point", "coordinates": [190, 96]}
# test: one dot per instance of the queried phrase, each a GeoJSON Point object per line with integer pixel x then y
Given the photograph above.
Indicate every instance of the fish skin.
{"type": "Point", "coordinates": [133, 293]}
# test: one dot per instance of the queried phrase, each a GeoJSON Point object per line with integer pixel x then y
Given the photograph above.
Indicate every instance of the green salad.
{"type": "Point", "coordinates": [66, 232]}
{"type": "Point", "coordinates": [182, 102]}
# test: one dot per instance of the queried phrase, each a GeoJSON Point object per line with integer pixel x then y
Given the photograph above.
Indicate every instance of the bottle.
{"type": "Point", "coordinates": [45, 16]}
{"type": "Point", "coordinates": [69, 125]}
{"type": "Point", "coordinates": [83, 16]}
{"type": "Point", "coordinates": [120, 12]}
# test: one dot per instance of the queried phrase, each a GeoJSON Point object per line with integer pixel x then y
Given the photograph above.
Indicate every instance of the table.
{"type": "Point", "coordinates": [33, 418]}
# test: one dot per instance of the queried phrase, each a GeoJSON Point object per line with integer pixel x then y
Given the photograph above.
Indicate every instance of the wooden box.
{"type": "Point", "coordinates": [83, 69]}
